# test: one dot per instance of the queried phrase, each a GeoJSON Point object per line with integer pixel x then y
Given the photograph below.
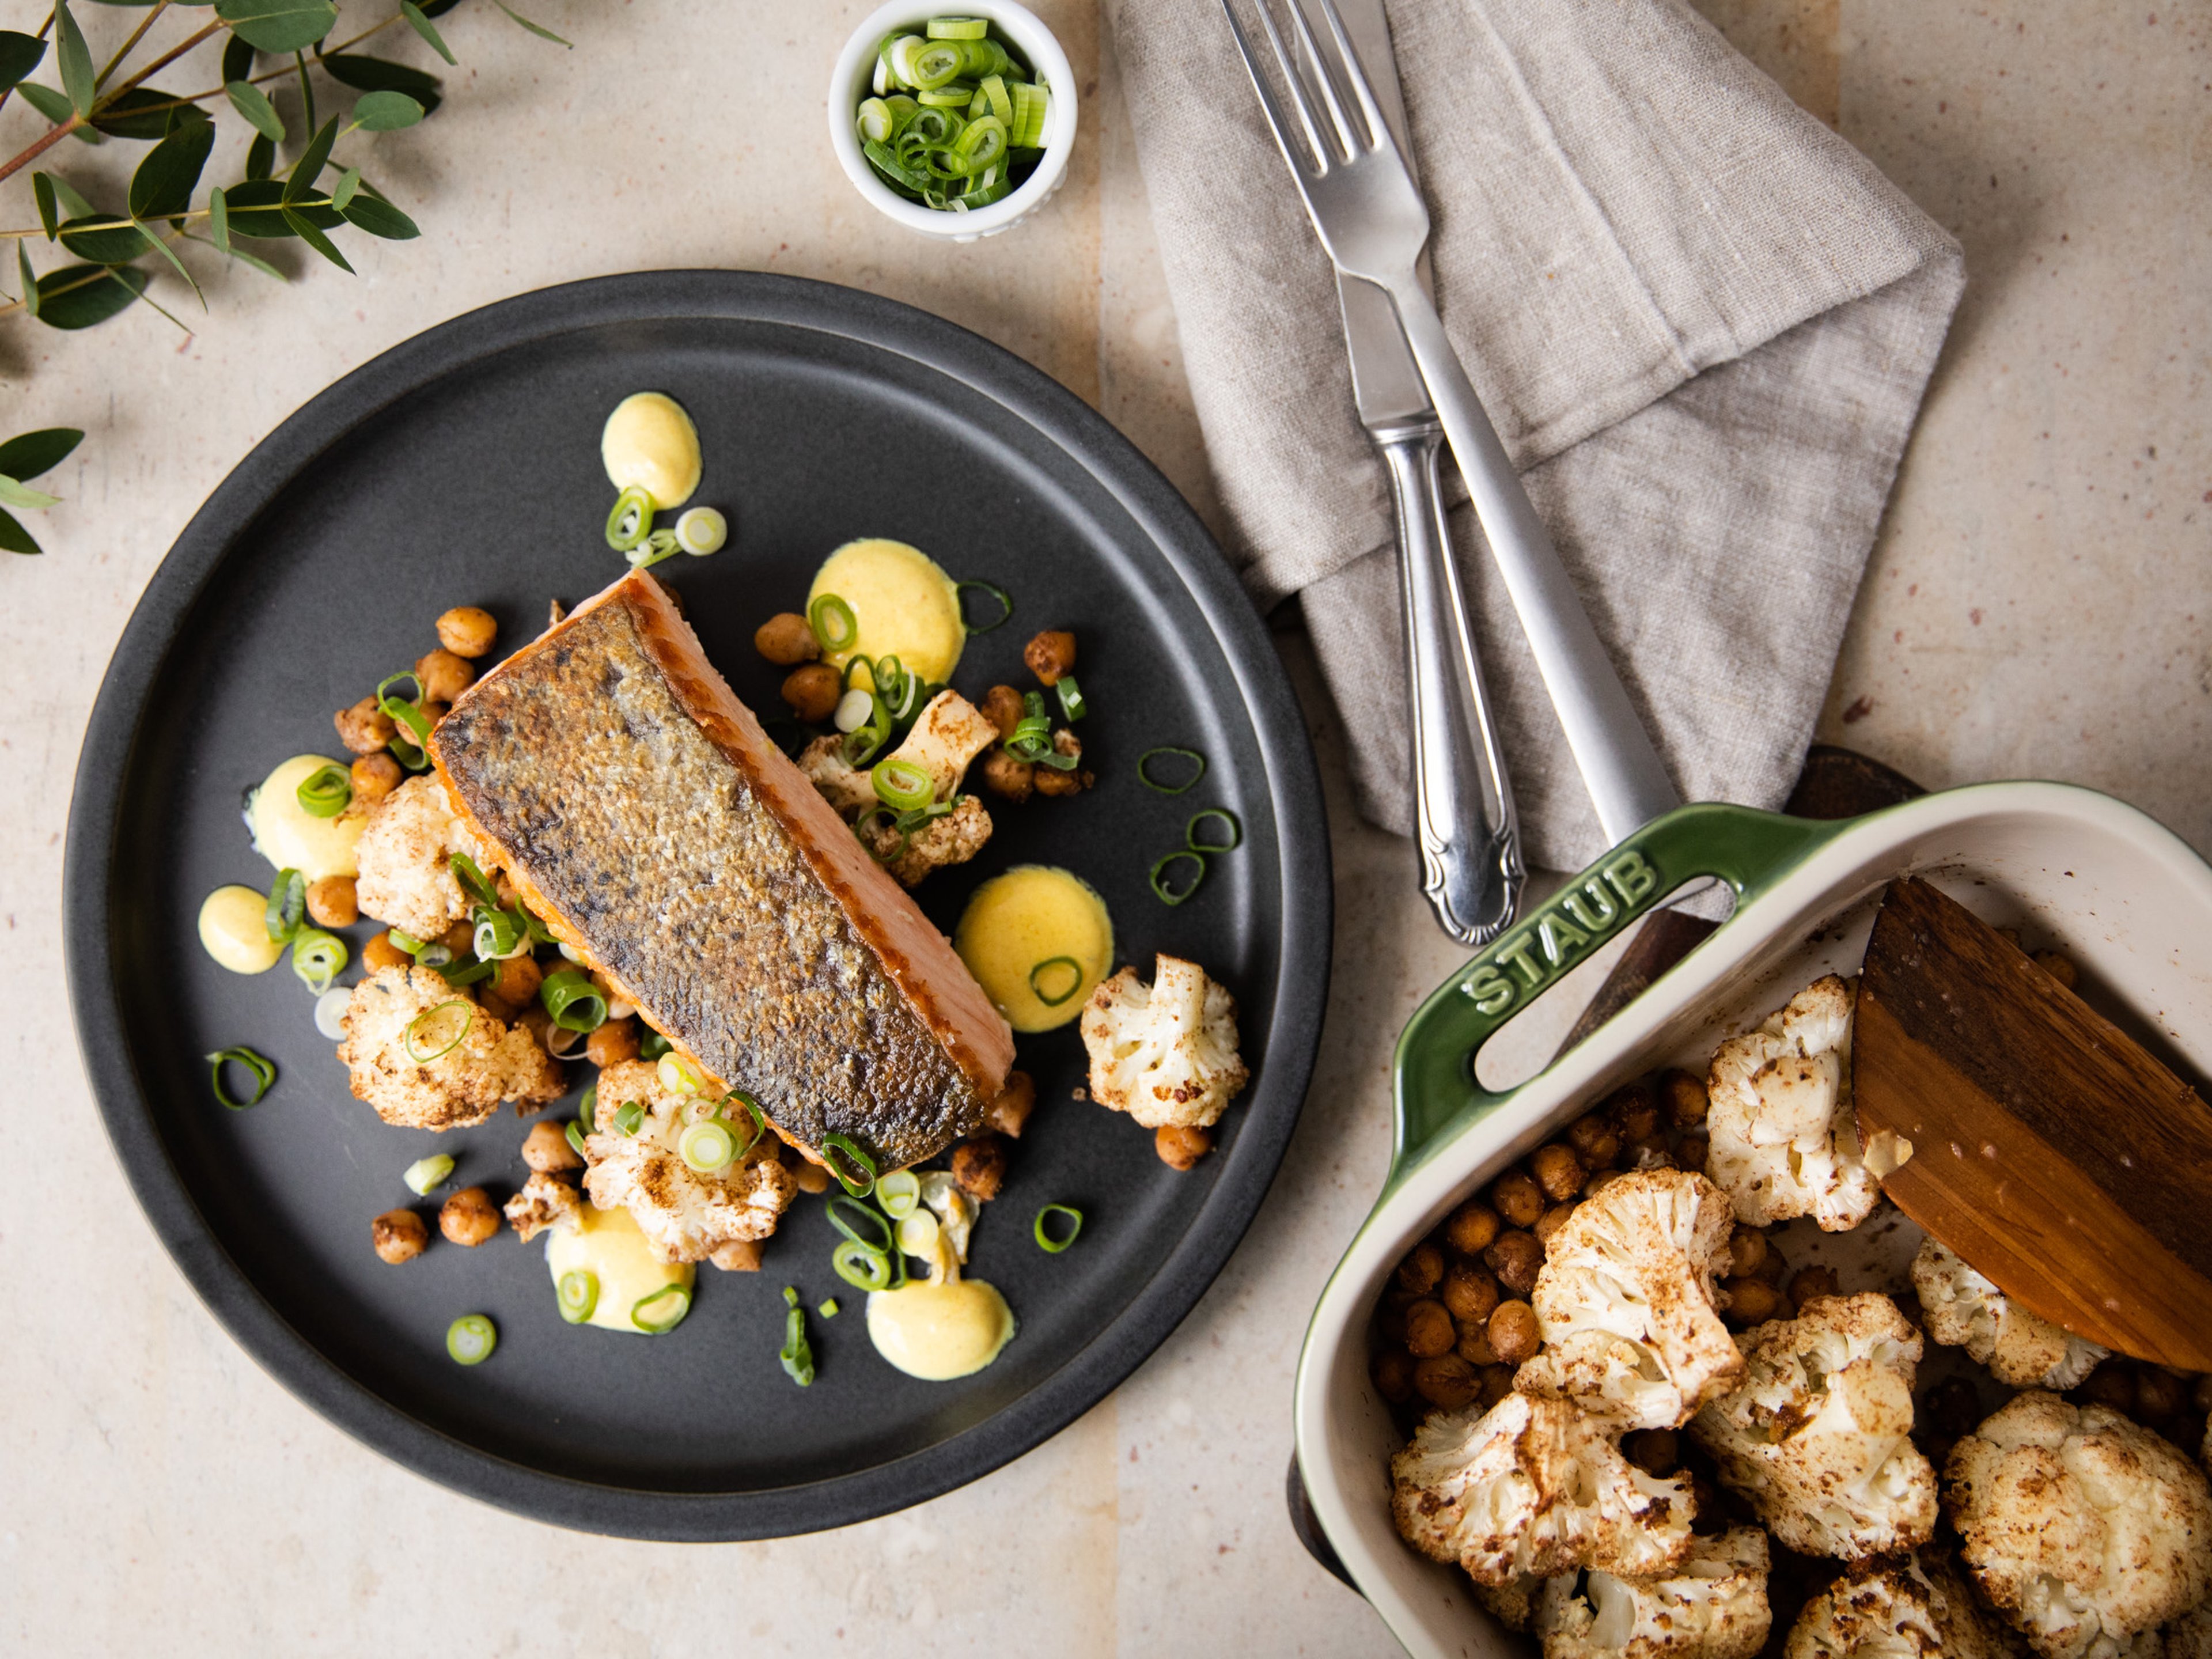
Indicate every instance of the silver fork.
{"type": "Point", "coordinates": [1370, 215]}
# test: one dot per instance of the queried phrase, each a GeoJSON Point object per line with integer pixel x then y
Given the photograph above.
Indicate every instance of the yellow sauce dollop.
{"type": "Point", "coordinates": [1035, 914]}
{"type": "Point", "coordinates": [234, 930]}
{"type": "Point", "coordinates": [649, 441]}
{"type": "Point", "coordinates": [906, 606]}
{"type": "Point", "coordinates": [939, 1332]}
{"type": "Point", "coordinates": [292, 838]}
{"type": "Point", "coordinates": [610, 1247]}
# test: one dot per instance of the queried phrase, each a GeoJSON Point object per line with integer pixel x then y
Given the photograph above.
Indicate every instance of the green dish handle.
{"type": "Point", "coordinates": [1433, 1080]}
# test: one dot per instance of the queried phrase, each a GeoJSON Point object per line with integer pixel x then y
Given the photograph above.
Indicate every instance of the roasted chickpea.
{"type": "Point", "coordinates": [374, 776]}
{"type": "Point", "coordinates": [331, 903]}
{"type": "Point", "coordinates": [2201, 1395]}
{"type": "Point", "coordinates": [786, 640]}
{"type": "Point", "coordinates": [1811, 1283]}
{"type": "Point", "coordinates": [1050, 654]}
{"type": "Point", "coordinates": [1516, 1257]}
{"type": "Point", "coordinates": [435, 709]}
{"type": "Point", "coordinates": [1692, 1152]}
{"type": "Point", "coordinates": [444, 675]}
{"type": "Point", "coordinates": [1008, 778]}
{"type": "Point", "coordinates": [1655, 1451]}
{"type": "Point", "coordinates": [1514, 1335]}
{"type": "Point", "coordinates": [1180, 1148]}
{"type": "Point", "coordinates": [613, 1042]}
{"type": "Point", "coordinates": [398, 1236]}
{"type": "Point", "coordinates": [2158, 1392]}
{"type": "Point", "coordinates": [1707, 1516]}
{"type": "Point", "coordinates": [1634, 1112]}
{"type": "Point", "coordinates": [813, 691]}
{"type": "Point", "coordinates": [460, 938]}
{"type": "Point", "coordinates": [380, 953]}
{"type": "Point", "coordinates": [1598, 1183]}
{"type": "Point", "coordinates": [1422, 1269]}
{"type": "Point", "coordinates": [364, 728]}
{"type": "Point", "coordinates": [1752, 1302]}
{"type": "Point", "coordinates": [1474, 1342]}
{"type": "Point", "coordinates": [546, 1148]}
{"type": "Point", "coordinates": [1774, 1269]}
{"type": "Point", "coordinates": [1390, 1318]}
{"type": "Point", "coordinates": [1595, 1140]}
{"type": "Point", "coordinates": [1558, 1170]}
{"type": "Point", "coordinates": [1517, 1196]}
{"type": "Point", "coordinates": [1429, 1329]}
{"type": "Point", "coordinates": [737, 1255]}
{"type": "Point", "coordinates": [1683, 1095]}
{"type": "Point", "coordinates": [517, 982]}
{"type": "Point", "coordinates": [469, 1217]}
{"type": "Point", "coordinates": [2113, 1385]}
{"type": "Point", "coordinates": [467, 631]}
{"type": "Point", "coordinates": [1393, 1371]}
{"type": "Point", "coordinates": [1002, 706]}
{"type": "Point", "coordinates": [979, 1166]}
{"type": "Point", "coordinates": [2059, 966]}
{"type": "Point", "coordinates": [1469, 1292]}
{"type": "Point", "coordinates": [1497, 1384]}
{"type": "Point", "coordinates": [1746, 1252]}
{"type": "Point", "coordinates": [535, 1020]}
{"type": "Point", "coordinates": [808, 1176]}
{"type": "Point", "coordinates": [1447, 1382]}
{"type": "Point", "coordinates": [1952, 1408]}
{"type": "Point", "coordinates": [1014, 1104]}
{"type": "Point", "coordinates": [1472, 1226]}
{"type": "Point", "coordinates": [1050, 780]}
{"type": "Point", "coordinates": [1550, 1221]}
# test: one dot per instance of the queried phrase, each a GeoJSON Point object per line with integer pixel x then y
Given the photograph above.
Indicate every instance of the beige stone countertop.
{"type": "Point", "coordinates": [2037, 606]}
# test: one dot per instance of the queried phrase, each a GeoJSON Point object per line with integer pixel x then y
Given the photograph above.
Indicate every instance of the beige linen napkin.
{"type": "Point", "coordinates": [1701, 321]}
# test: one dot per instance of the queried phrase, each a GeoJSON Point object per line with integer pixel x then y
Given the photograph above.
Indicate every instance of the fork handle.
{"type": "Point", "coordinates": [1464, 826]}
{"type": "Point", "coordinates": [1627, 782]}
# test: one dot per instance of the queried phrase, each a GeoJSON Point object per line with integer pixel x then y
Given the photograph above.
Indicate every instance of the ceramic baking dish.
{"type": "Point", "coordinates": [2074, 871]}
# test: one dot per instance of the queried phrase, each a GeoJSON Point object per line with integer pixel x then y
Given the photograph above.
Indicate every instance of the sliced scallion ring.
{"type": "Point", "coordinates": [957, 28]}
{"type": "Point", "coordinates": [662, 1312]}
{"type": "Point", "coordinates": [854, 1169]}
{"type": "Point", "coordinates": [899, 1192]}
{"type": "Point", "coordinates": [264, 1073]}
{"type": "Point", "coordinates": [471, 1339]}
{"type": "Point", "coordinates": [575, 1002]}
{"type": "Point", "coordinates": [436, 954]}
{"type": "Point", "coordinates": [1046, 1242]}
{"type": "Point", "coordinates": [659, 544]}
{"type": "Point", "coordinates": [796, 1355]}
{"type": "Point", "coordinates": [317, 958]}
{"type": "Point", "coordinates": [579, 1293]}
{"type": "Point", "coordinates": [574, 1134]}
{"type": "Point", "coordinates": [425, 1174]}
{"type": "Point", "coordinates": [473, 881]}
{"type": "Point", "coordinates": [677, 1075]}
{"type": "Point", "coordinates": [458, 974]}
{"type": "Point", "coordinates": [630, 519]}
{"type": "Point", "coordinates": [700, 531]}
{"type": "Point", "coordinates": [629, 1116]}
{"type": "Point", "coordinates": [1191, 835]}
{"type": "Point", "coordinates": [874, 120]}
{"type": "Point", "coordinates": [288, 902]}
{"type": "Point", "coordinates": [651, 1045]}
{"type": "Point", "coordinates": [829, 1308]}
{"type": "Point", "coordinates": [862, 1266]}
{"type": "Point", "coordinates": [1005, 603]}
{"type": "Point", "coordinates": [709, 1148]}
{"type": "Point", "coordinates": [852, 710]}
{"type": "Point", "coordinates": [839, 1208]}
{"type": "Point", "coordinates": [834, 623]}
{"type": "Point", "coordinates": [902, 784]}
{"type": "Point", "coordinates": [498, 935]}
{"type": "Point", "coordinates": [917, 1233]}
{"type": "Point", "coordinates": [435, 1030]}
{"type": "Point", "coordinates": [331, 1010]}
{"type": "Point", "coordinates": [1071, 698]}
{"type": "Point", "coordinates": [758, 1119]}
{"type": "Point", "coordinates": [1050, 972]}
{"type": "Point", "coordinates": [407, 942]}
{"type": "Point", "coordinates": [1145, 777]}
{"type": "Point", "coordinates": [326, 792]}
{"type": "Point", "coordinates": [1164, 884]}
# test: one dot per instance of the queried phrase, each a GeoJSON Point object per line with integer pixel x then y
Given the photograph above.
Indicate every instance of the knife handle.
{"type": "Point", "coordinates": [1627, 782]}
{"type": "Point", "coordinates": [1464, 821]}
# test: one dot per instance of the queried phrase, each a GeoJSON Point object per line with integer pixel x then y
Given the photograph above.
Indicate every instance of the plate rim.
{"type": "Point", "coordinates": [1242, 1182]}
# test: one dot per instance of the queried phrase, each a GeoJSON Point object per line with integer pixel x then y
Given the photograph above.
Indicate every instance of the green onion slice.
{"type": "Point", "coordinates": [709, 1148]}
{"type": "Point", "coordinates": [917, 1233]}
{"type": "Point", "coordinates": [834, 623]}
{"type": "Point", "coordinates": [317, 958]}
{"type": "Point", "coordinates": [473, 881]}
{"type": "Point", "coordinates": [900, 54]}
{"type": "Point", "coordinates": [1046, 1242]}
{"type": "Point", "coordinates": [326, 792]}
{"type": "Point", "coordinates": [407, 942]}
{"type": "Point", "coordinates": [700, 531]}
{"type": "Point", "coordinates": [903, 784]}
{"type": "Point", "coordinates": [662, 1312]}
{"type": "Point", "coordinates": [587, 1110]}
{"type": "Point", "coordinates": [798, 1358]}
{"type": "Point", "coordinates": [753, 1110]}
{"type": "Point", "coordinates": [435, 954]}
{"type": "Point", "coordinates": [874, 120]}
{"type": "Point", "coordinates": [981, 142]}
{"type": "Point", "coordinates": [861, 1265]}
{"type": "Point", "coordinates": [658, 546]}
{"type": "Point", "coordinates": [1045, 970]}
{"type": "Point", "coordinates": [459, 974]}
{"type": "Point", "coordinates": [407, 715]}
{"type": "Point", "coordinates": [992, 89]}
{"type": "Point", "coordinates": [790, 1297]}
{"type": "Point", "coordinates": [575, 1135]}
{"type": "Point", "coordinates": [651, 1045]}
{"type": "Point", "coordinates": [957, 28]}
{"type": "Point", "coordinates": [630, 520]}
{"type": "Point", "coordinates": [1236, 831]}
{"type": "Point", "coordinates": [1162, 883]}
{"type": "Point", "coordinates": [1071, 698]}
{"type": "Point", "coordinates": [629, 1117]}
{"type": "Point", "coordinates": [844, 1157]}
{"type": "Point", "coordinates": [264, 1073]}
{"type": "Point", "coordinates": [1145, 777]}
{"type": "Point", "coordinates": [1004, 599]}
{"type": "Point", "coordinates": [471, 1339]}
{"type": "Point", "coordinates": [580, 1294]}
{"type": "Point", "coordinates": [936, 65]}
{"type": "Point", "coordinates": [426, 1173]}
{"type": "Point", "coordinates": [288, 902]}
{"type": "Point", "coordinates": [839, 1204]}
{"type": "Point", "coordinates": [829, 1308]}
{"type": "Point", "coordinates": [499, 934]}
{"type": "Point", "coordinates": [677, 1075]}
{"type": "Point", "coordinates": [575, 1002]}
{"type": "Point", "coordinates": [435, 1030]}
{"type": "Point", "coordinates": [899, 1192]}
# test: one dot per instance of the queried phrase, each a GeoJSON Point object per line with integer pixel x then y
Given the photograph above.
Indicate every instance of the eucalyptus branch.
{"type": "Point", "coordinates": [52, 137]}
{"type": "Point", "coordinates": [136, 36]}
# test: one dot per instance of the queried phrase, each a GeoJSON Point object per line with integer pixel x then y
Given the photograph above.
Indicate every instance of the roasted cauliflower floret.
{"type": "Point", "coordinates": [404, 857]}
{"type": "Point", "coordinates": [1960, 1309]}
{"type": "Point", "coordinates": [1783, 1140]}
{"type": "Point", "coordinates": [2084, 1530]}
{"type": "Point", "coordinates": [544, 1201]}
{"type": "Point", "coordinates": [1533, 1486]}
{"type": "Point", "coordinates": [1817, 1435]}
{"type": "Point", "coordinates": [685, 1214]}
{"type": "Point", "coordinates": [836, 779]}
{"type": "Point", "coordinates": [1512, 1604]}
{"type": "Point", "coordinates": [1915, 1605]}
{"type": "Point", "coordinates": [463, 1083]}
{"type": "Point", "coordinates": [944, 737]}
{"type": "Point", "coordinates": [1164, 1053]}
{"type": "Point", "coordinates": [1711, 1605]}
{"type": "Point", "coordinates": [1624, 1301]}
{"type": "Point", "coordinates": [954, 838]}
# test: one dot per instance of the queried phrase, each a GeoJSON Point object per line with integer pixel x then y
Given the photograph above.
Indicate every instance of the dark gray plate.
{"type": "Point", "coordinates": [463, 468]}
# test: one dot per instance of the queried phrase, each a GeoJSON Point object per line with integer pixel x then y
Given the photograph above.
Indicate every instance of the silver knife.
{"type": "Point", "coordinates": [1464, 822]}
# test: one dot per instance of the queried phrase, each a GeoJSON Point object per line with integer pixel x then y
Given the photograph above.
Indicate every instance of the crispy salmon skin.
{"type": "Point", "coordinates": [642, 811]}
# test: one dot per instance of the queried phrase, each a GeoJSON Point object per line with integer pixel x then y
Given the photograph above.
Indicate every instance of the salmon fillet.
{"type": "Point", "coordinates": [646, 816]}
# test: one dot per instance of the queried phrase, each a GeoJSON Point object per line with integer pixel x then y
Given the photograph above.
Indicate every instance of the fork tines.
{"type": "Point", "coordinates": [1336, 74]}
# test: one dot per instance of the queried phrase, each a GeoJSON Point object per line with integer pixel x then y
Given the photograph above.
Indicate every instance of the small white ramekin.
{"type": "Point", "coordinates": [853, 80]}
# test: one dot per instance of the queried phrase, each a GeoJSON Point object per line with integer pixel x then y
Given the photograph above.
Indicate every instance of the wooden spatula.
{"type": "Point", "coordinates": [2046, 1146]}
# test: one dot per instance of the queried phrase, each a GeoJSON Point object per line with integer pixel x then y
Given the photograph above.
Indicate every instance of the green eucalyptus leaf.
{"type": "Point", "coordinates": [219, 218]}
{"type": "Point", "coordinates": [101, 239]}
{"type": "Point", "coordinates": [165, 181]}
{"type": "Point", "coordinates": [30, 283]}
{"type": "Point", "coordinates": [308, 233]}
{"type": "Point", "coordinates": [142, 114]}
{"type": "Point", "coordinates": [21, 53]}
{"type": "Point", "coordinates": [308, 169]}
{"type": "Point", "coordinates": [348, 182]}
{"type": "Point", "coordinates": [56, 108]}
{"type": "Point", "coordinates": [278, 26]}
{"type": "Point", "coordinates": [377, 75]}
{"type": "Point", "coordinates": [75, 58]}
{"type": "Point", "coordinates": [437, 8]}
{"type": "Point", "coordinates": [386, 112]}
{"type": "Point", "coordinates": [418, 20]}
{"type": "Point", "coordinates": [161, 247]}
{"type": "Point", "coordinates": [237, 60]}
{"type": "Point", "coordinates": [19, 495]}
{"type": "Point", "coordinates": [14, 537]}
{"type": "Point", "coordinates": [379, 218]}
{"type": "Point", "coordinates": [255, 209]}
{"type": "Point", "coordinates": [42, 192]}
{"type": "Point", "coordinates": [30, 453]}
{"type": "Point", "coordinates": [306, 91]}
{"type": "Point", "coordinates": [253, 103]}
{"type": "Point", "coordinates": [260, 157]}
{"type": "Point", "coordinates": [537, 29]}
{"type": "Point", "coordinates": [78, 296]}
{"type": "Point", "coordinates": [72, 204]}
